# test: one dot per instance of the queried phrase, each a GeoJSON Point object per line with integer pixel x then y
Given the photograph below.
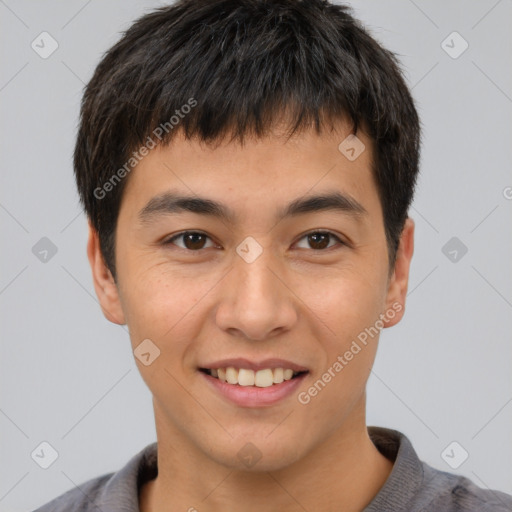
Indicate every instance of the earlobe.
{"type": "Point", "coordinates": [399, 281]}
{"type": "Point", "coordinates": [104, 284]}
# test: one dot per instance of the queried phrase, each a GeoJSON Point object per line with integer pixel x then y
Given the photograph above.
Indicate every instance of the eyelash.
{"type": "Point", "coordinates": [170, 241]}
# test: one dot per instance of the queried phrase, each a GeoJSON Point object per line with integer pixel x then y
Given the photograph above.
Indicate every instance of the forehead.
{"type": "Point", "coordinates": [258, 172]}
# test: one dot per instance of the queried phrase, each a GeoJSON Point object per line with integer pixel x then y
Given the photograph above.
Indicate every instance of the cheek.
{"type": "Point", "coordinates": [165, 306]}
{"type": "Point", "coordinates": [347, 310]}
{"type": "Point", "coordinates": [345, 303]}
{"type": "Point", "coordinates": [162, 311]}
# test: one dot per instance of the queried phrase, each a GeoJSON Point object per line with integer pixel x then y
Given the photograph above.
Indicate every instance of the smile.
{"type": "Point", "coordinates": [246, 382]}
{"type": "Point", "coordinates": [263, 378]}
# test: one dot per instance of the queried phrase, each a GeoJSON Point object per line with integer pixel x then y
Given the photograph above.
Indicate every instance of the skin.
{"type": "Point", "coordinates": [294, 302]}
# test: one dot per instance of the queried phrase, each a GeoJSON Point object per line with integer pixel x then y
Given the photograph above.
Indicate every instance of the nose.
{"type": "Point", "coordinates": [256, 302]}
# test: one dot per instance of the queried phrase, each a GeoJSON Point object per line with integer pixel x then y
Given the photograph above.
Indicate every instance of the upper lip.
{"type": "Point", "coordinates": [240, 362]}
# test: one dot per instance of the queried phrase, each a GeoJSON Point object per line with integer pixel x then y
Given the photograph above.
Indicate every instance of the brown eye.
{"type": "Point", "coordinates": [191, 240]}
{"type": "Point", "coordinates": [319, 240]}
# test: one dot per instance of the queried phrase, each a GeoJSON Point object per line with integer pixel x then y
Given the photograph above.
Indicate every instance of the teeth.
{"type": "Point", "coordinates": [232, 375]}
{"type": "Point", "coordinates": [264, 378]}
{"type": "Point", "coordinates": [287, 374]}
{"type": "Point", "coordinates": [245, 377]}
{"type": "Point", "coordinates": [278, 376]}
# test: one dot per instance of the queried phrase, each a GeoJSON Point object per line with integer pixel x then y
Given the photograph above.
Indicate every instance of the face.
{"type": "Point", "coordinates": [260, 277]}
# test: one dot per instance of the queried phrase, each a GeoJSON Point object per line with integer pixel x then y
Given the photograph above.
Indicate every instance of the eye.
{"type": "Point", "coordinates": [195, 240]}
{"type": "Point", "coordinates": [192, 240]}
{"type": "Point", "coordinates": [319, 240]}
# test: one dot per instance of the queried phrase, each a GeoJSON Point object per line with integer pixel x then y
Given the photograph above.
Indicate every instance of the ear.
{"type": "Point", "coordinates": [399, 281]}
{"type": "Point", "coordinates": [104, 284]}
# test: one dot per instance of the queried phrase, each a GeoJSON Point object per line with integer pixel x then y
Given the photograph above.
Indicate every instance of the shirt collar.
{"type": "Point", "coordinates": [406, 477]}
{"type": "Point", "coordinates": [121, 491]}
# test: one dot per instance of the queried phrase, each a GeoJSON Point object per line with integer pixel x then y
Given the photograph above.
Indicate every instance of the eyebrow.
{"type": "Point", "coordinates": [170, 203]}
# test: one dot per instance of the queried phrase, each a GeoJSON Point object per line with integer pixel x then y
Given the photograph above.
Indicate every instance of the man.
{"type": "Point", "coordinates": [247, 168]}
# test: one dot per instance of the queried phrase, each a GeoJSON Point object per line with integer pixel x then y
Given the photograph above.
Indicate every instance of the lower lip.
{"type": "Point", "coordinates": [252, 396]}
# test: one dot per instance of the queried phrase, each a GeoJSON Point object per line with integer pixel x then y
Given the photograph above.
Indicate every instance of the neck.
{"type": "Point", "coordinates": [344, 472]}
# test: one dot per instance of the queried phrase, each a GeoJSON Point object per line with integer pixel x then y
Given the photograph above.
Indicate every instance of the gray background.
{"type": "Point", "coordinates": [68, 376]}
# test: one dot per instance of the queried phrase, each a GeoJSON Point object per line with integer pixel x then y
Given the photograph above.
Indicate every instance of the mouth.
{"type": "Point", "coordinates": [250, 383]}
{"type": "Point", "coordinates": [246, 377]}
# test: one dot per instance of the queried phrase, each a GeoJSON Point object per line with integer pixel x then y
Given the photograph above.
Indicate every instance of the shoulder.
{"type": "Point", "coordinates": [112, 491]}
{"type": "Point", "coordinates": [415, 486]}
{"type": "Point", "coordinates": [80, 499]}
{"type": "Point", "coordinates": [446, 492]}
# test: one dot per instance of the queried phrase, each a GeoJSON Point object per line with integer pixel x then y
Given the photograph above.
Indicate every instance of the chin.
{"type": "Point", "coordinates": [258, 455]}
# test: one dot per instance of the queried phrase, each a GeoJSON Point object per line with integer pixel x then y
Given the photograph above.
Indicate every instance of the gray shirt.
{"type": "Point", "coordinates": [412, 486]}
